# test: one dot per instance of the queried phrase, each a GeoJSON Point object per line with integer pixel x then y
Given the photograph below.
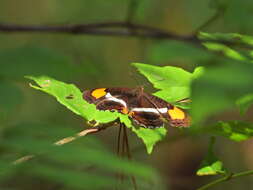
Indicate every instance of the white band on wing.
{"type": "Point", "coordinates": [153, 110]}
{"type": "Point", "coordinates": [112, 98]}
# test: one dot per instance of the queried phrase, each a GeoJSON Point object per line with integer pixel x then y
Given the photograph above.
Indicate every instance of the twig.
{"type": "Point", "coordinates": [126, 29]}
{"type": "Point", "coordinates": [217, 15]}
{"type": "Point", "coordinates": [78, 135]}
{"type": "Point", "coordinates": [121, 29]}
{"type": "Point", "coordinates": [23, 159]}
{"type": "Point", "coordinates": [226, 178]}
{"type": "Point", "coordinates": [60, 143]}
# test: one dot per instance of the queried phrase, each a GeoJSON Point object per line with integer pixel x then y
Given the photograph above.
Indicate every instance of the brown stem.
{"type": "Point", "coordinates": [118, 140]}
{"type": "Point", "coordinates": [129, 156]}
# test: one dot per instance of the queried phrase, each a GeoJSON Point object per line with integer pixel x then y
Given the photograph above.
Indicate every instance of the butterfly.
{"type": "Point", "coordinates": [144, 109]}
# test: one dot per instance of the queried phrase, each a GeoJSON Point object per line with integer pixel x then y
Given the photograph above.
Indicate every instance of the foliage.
{"type": "Point", "coordinates": [214, 70]}
{"type": "Point", "coordinates": [233, 130]}
{"type": "Point", "coordinates": [173, 83]}
{"type": "Point", "coordinates": [211, 165]}
{"type": "Point", "coordinates": [88, 111]}
{"type": "Point", "coordinates": [223, 85]}
{"type": "Point", "coordinates": [163, 51]}
{"type": "Point", "coordinates": [46, 60]}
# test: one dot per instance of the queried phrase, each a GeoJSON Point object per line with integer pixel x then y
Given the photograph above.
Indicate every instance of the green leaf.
{"type": "Point", "coordinates": [218, 88]}
{"type": "Point", "coordinates": [220, 42]}
{"type": "Point", "coordinates": [61, 91]}
{"type": "Point", "coordinates": [173, 82]}
{"type": "Point", "coordinates": [226, 37]}
{"type": "Point", "coordinates": [211, 165]}
{"type": "Point", "coordinates": [150, 136]}
{"type": "Point", "coordinates": [245, 102]}
{"type": "Point", "coordinates": [174, 50]}
{"type": "Point", "coordinates": [233, 130]}
{"type": "Point", "coordinates": [237, 14]}
{"type": "Point", "coordinates": [226, 50]}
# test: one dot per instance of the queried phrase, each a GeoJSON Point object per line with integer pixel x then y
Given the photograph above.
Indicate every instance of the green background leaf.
{"type": "Point", "coordinates": [233, 130]}
{"type": "Point", "coordinates": [29, 60]}
{"type": "Point", "coordinates": [165, 51]}
{"type": "Point", "coordinates": [219, 88]}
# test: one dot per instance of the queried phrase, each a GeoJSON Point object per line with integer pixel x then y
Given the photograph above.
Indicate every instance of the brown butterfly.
{"type": "Point", "coordinates": [144, 109]}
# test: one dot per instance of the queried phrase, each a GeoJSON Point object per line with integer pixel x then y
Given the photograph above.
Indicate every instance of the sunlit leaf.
{"type": "Point", "coordinates": [150, 136]}
{"type": "Point", "coordinates": [226, 50]}
{"type": "Point", "coordinates": [227, 37]}
{"type": "Point", "coordinates": [173, 82]}
{"type": "Point", "coordinates": [211, 165]}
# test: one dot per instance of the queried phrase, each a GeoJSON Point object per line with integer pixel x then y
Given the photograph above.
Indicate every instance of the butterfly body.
{"type": "Point", "coordinates": [144, 109]}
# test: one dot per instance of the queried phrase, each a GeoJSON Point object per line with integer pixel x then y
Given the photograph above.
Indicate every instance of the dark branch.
{"type": "Point", "coordinates": [121, 29]}
{"type": "Point", "coordinates": [104, 29]}
{"type": "Point", "coordinates": [218, 14]}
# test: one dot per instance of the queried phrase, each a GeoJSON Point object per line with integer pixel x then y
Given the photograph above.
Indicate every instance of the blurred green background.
{"type": "Point", "coordinates": [30, 121]}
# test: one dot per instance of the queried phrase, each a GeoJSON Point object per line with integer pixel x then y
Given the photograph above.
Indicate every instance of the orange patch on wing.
{"type": "Point", "coordinates": [176, 113]}
{"type": "Point", "coordinates": [124, 110]}
{"type": "Point", "coordinates": [131, 113]}
{"type": "Point", "coordinates": [98, 93]}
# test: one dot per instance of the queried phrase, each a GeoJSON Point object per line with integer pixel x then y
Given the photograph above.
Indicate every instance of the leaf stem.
{"type": "Point", "coordinates": [226, 178]}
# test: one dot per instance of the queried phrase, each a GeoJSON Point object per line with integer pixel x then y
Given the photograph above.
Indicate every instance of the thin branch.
{"type": "Point", "coordinates": [209, 21]}
{"type": "Point", "coordinates": [126, 29]}
{"type": "Point", "coordinates": [120, 29]}
{"type": "Point", "coordinates": [226, 178]}
{"type": "Point", "coordinates": [23, 159]}
{"type": "Point", "coordinates": [78, 135]}
{"type": "Point", "coordinates": [60, 143]}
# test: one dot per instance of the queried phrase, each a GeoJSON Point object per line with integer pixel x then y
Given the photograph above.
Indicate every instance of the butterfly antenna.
{"type": "Point", "coordinates": [142, 85]}
{"type": "Point", "coordinates": [133, 76]}
{"type": "Point", "coordinates": [185, 100]}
